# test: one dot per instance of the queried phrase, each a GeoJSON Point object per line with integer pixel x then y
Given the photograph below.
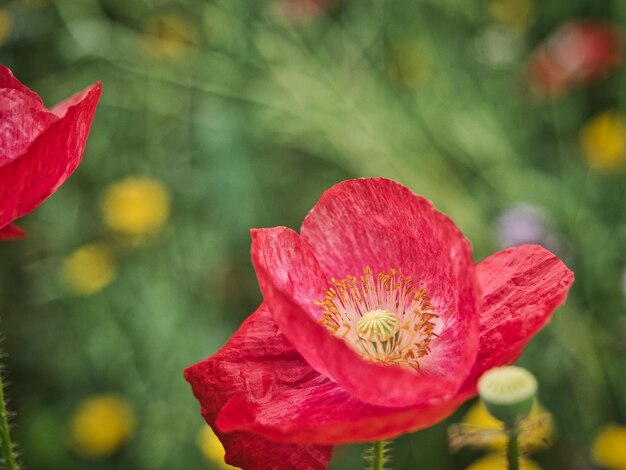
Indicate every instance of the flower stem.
{"type": "Point", "coordinates": [6, 446]}
{"type": "Point", "coordinates": [378, 455]}
{"type": "Point", "coordinates": [512, 450]}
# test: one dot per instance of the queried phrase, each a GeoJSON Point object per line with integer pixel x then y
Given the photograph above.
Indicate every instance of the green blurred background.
{"type": "Point", "coordinates": [245, 111]}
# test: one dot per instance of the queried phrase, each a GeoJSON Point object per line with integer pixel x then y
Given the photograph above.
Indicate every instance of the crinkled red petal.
{"type": "Point", "coordinates": [291, 281]}
{"type": "Point", "coordinates": [9, 82]}
{"type": "Point", "coordinates": [23, 117]}
{"type": "Point", "coordinates": [522, 287]}
{"type": "Point", "coordinates": [323, 413]}
{"type": "Point", "coordinates": [379, 223]}
{"type": "Point", "coordinates": [12, 232]}
{"type": "Point", "coordinates": [50, 158]}
{"type": "Point", "coordinates": [259, 383]}
{"type": "Point", "coordinates": [256, 365]}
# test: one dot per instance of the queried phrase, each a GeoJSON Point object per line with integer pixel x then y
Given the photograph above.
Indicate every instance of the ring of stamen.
{"type": "Point", "coordinates": [384, 317]}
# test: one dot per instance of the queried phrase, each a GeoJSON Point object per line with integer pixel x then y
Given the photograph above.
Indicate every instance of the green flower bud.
{"type": "Point", "coordinates": [508, 393]}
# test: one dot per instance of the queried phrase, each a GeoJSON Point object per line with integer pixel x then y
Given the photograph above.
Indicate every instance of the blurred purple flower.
{"type": "Point", "coordinates": [526, 223]}
{"type": "Point", "coordinates": [520, 224]}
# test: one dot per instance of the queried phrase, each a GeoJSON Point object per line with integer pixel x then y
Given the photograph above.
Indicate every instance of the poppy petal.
{"type": "Point", "coordinates": [326, 414]}
{"type": "Point", "coordinates": [27, 180]}
{"type": "Point", "coordinates": [23, 117]}
{"type": "Point", "coordinates": [291, 281]}
{"type": "Point", "coordinates": [12, 232]}
{"type": "Point", "coordinates": [9, 82]}
{"type": "Point", "coordinates": [521, 287]}
{"type": "Point", "coordinates": [60, 110]}
{"type": "Point", "coordinates": [379, 223]}
{"type": "Point", "coordinates": [256, 364]}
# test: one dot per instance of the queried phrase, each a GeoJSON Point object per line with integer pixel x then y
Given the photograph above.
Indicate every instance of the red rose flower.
{"type": "Point", "coordinates": [39, 148]}
{"type": "Point", "coordinates": [576, 53]}
{"type": "Point", "coordinates": [376, 322]}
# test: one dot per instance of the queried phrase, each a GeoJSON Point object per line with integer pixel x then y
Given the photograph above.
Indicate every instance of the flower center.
{"type": "Point", "coordinates": [377, 325]}
{"type": "Point", "coordinates": [384, 318]}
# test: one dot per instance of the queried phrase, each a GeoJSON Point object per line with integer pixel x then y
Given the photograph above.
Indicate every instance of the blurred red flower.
{"type": "Point", "coordinates": [578, 52]}
{"type": "Point", "coordinates": [302, 9]}
{"type": "Point", "coordinates": [375, 322]}
{"type": "Point", "coordinates": [39, 148]}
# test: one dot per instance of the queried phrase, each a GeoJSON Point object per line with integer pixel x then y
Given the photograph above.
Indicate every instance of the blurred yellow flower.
{"type": "Point", "coordinates": [169, 35]}
{"type": "Point", "coordinates": [89, 269]}
{"type": "Point", "coordinates": [498, 462]}
{"type": "Point", "coordinates": [136, 206]}
{"type": "Point", "coordinates": [101, 425]}
{"type": "Point", "coordinates": [536, 431]}
{"type": "Point", "coordinates": [408, 64]}
{"type": "Point", "coordinates": [514, 14]}
{"type": "Point", "coordinates": [603, 139]}
{"type": "Point", "coordinates": [6, 24]}
{"type": "Point", "coordinates": [609, 447]}
{"type": "Point", "coordinates": [211, 448]}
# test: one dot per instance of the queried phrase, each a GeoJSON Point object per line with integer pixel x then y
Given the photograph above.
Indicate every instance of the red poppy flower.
{"type": "Point", "coordinates": [39, 148]}
{"type": "Point", "coordinates": [376, 322]}
{"type": "Point", "coordinates": [576, 53]}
